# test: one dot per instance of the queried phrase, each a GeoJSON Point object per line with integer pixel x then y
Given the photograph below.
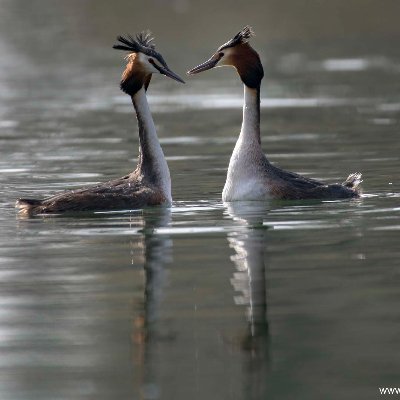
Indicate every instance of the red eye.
{"type": "Point", "coordinates": [152, 62]}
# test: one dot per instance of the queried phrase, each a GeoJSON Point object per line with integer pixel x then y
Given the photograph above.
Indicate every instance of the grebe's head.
{"type": "Point", "coordinates": [239, 54]}
{"type": "Point", "coordinates": [143, 61]}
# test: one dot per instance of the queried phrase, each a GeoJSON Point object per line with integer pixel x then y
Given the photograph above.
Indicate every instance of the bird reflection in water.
{"type": "Point", "coordinates": [146, 330]}
{"type": "Point", "coordinates": [249, 283]}
{"type": "Point", "coordinates": [152, 336]}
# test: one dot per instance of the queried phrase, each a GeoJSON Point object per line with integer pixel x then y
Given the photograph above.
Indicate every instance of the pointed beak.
{"type": "Point", "coordinates": [211, 63]}
{"type": "Point", "coordinates": [170, 74]}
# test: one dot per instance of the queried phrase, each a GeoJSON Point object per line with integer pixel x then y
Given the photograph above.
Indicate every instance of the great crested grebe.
{"type": "Point", "coordinates": [150, 183]}
{"type": "Point", "coordinates": [250, 175]}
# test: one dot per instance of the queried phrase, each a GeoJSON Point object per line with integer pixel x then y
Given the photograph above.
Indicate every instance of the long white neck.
{"type": "Point", "coordinates": [250, 132]}
{"type": "Point", "coordinates": [247, 160]}
{"type": "Point", "coordinates": [152, 163]}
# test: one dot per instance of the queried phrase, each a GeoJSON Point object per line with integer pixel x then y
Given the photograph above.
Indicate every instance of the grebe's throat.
{"type": "Point", "coordinates": [152, 163]}
{"type": "Point", "coordinates": [250, 131]}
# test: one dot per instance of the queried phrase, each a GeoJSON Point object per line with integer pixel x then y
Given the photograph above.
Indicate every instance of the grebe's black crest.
{"type": "Point", "coordinates": [142, 43]}
{"type": "Point", "coordinates": [240, 38]}
{"type": "Point", "coordinates": [146, 39]}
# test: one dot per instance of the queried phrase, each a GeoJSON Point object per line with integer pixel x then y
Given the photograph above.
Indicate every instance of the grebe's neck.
{"type": "Point", "coordinates": [250, 132]}
{"type": "Point", "coordinates": [152, 164]}
{"type": "Point", "coordinates": [247, 160]}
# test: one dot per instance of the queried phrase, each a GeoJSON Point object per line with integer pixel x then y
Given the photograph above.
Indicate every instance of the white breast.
{"type": "Point", "coordinates": [245, 178]}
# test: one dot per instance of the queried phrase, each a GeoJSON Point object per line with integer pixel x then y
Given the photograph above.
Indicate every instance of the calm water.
{"type": "Point", "coordinates": [206, 300]}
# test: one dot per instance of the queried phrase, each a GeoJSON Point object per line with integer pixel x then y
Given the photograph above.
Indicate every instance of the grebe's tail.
{"type": "Point", "coordinates": [353, 181]}
{"type": "Point", "coordinates": [26, 206]}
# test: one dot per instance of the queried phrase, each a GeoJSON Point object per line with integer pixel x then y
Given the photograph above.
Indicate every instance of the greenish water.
{"type": "Point", "coordinates": [280, 300]}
